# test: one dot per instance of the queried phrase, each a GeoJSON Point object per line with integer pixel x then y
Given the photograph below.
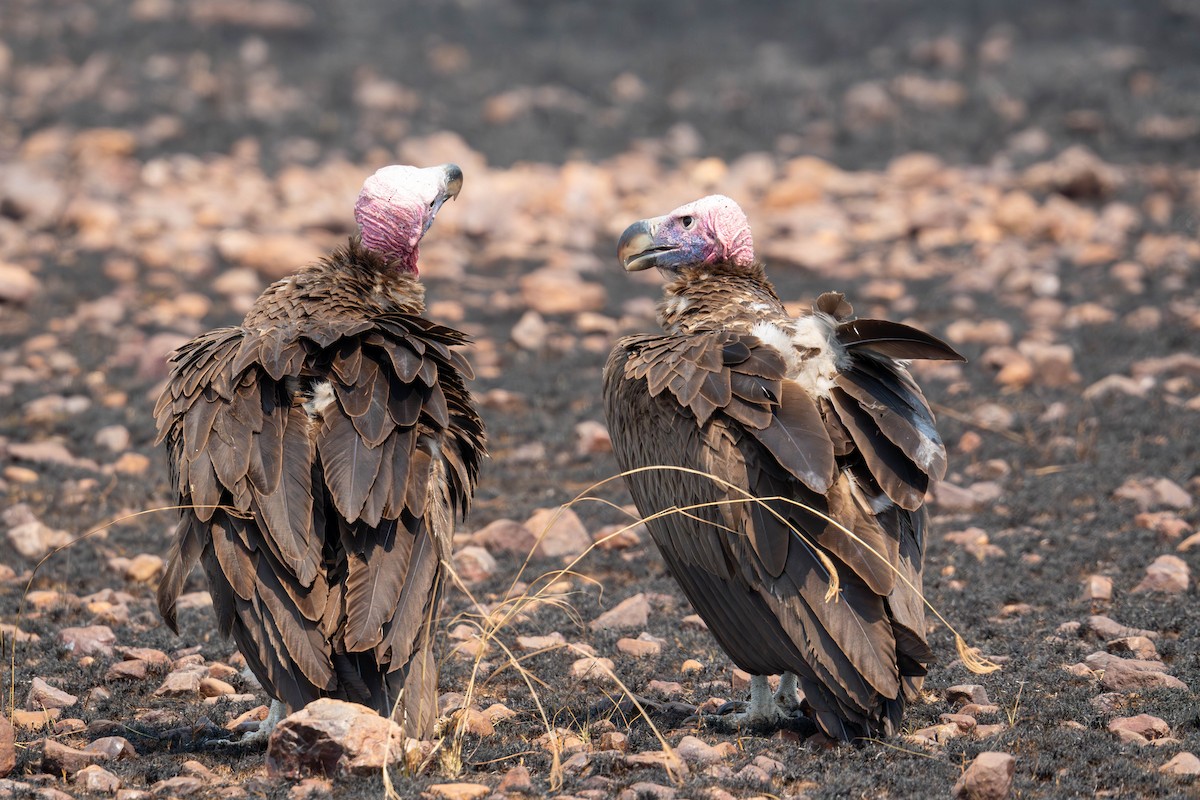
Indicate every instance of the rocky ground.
{"type": "Point", "coordinates": [1019, 180]}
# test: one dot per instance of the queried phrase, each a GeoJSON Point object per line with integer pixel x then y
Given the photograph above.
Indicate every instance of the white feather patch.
{"type": "Point", "coordinates": [812, 354]}
{"type": "Point", "coordinates": [322, 397]}
{"type": "Point", "coordinates": [771, 334]}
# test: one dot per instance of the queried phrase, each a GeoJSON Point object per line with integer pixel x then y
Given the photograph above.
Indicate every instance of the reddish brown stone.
{"type": "Point", "coordinates": [92, 640]}
{"type": "Point", "coordinates": [1182, 764]}
{"type": "Point", "coordinates": [1140, 729]}
{"type": "Point", "coordinates": [8, 752]}
{"type": "Point", "coordinates": [1168, 575]}
{"type": "Point", "coordinates": [632, 612]}
{"type": "Point", "coordinates": [967, 693]}
{"type": "Point", "coordinates": [989, 777]}
{"type": "Point", "coordinates": [474, 564]}
{"type": "Point", "coordinates": [505, 536]}
{"type": "Point", "coordinates": [1121, 678]}
{"type": "Point", "coordinates": [560, 532]}
{"type": "Point", "coordinates": [459, 791]}
{"type": "Point", "coordinates": [516, 781]}
{"type": "Point", "coordinates": [699, 753]}
{"type": "Point", "coordinates": [59, 759]}
{"type": "Point", "coordinates": [332, 737]}
{"type": "Point", "coordinates": [43, 695]}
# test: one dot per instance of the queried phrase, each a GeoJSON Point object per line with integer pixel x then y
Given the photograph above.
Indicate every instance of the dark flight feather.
{"type": "Point", "coordinates": [184, 553]}
{"type": "Point", "coordinates": [894, 340]}
{"type": "Point", "coordinates": [234, 556]}
{"type": "Point", "coordinates": [409, 625]}
{"type": "Point", "coordinates": [373, 585]}
{"type": "Point", "coordinates": [286, 513]}
{"type": "Point", "coordinates": [796, 438]}
{"type": "Point", "coordinates": [305, 645]}
{"type": "Point", "coordinates": [901, 479]}
{"type": "Point", "coordinates": [911, 429]}
{"type": "Point", "coordinates": [351, 466]}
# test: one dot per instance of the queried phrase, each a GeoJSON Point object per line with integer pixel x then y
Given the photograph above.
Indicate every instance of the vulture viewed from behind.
{"type": "Point", "coordinates": [323, 448]}
{"type": "Point", "coordinates": [817, 409]}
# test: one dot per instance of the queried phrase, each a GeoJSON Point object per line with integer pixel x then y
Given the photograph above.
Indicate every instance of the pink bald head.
{"type": "Point", "coordinates": [711, 230]}
{"type": "Point", "coordinates": [398, 204]}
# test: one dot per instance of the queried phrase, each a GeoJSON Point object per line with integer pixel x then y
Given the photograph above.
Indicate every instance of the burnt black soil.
{"type": "Point", "coordinates": [746, 77]}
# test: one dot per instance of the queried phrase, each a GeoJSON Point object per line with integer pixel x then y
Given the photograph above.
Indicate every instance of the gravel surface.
{"type": "Point", "coordinates": [1019, 179]}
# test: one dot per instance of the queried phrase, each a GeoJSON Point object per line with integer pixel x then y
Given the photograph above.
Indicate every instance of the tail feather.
{"type": "Point", "coordinates": [184, 553]}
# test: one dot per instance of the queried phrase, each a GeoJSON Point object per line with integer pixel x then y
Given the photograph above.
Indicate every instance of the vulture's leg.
{"type": "Point", "coordinates": [762, 712]}
{"type": "Point", "coordinates": [787, 697]}
{"type": "Point", "coordinates": [260, 735]}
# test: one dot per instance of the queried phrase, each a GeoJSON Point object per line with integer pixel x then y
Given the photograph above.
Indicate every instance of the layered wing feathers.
{"type": "Point", "coordinates": [752, 569]}
{"type": "Point", "coordinates": [312, 553]}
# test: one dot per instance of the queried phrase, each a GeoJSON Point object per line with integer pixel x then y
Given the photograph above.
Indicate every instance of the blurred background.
{"type": "Point", "coordinates": [857, 82]}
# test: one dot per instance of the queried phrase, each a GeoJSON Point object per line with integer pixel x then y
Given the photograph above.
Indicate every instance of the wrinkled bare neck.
{"type": "Point", "coordinates": [707, 298]}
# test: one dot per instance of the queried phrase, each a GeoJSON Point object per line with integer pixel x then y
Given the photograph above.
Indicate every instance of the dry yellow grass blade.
{"type": "Point", "coordinates": [971, 657]}
{"type": "Point", "coordinates": [497, 618]}
{"type": "Point", "coordinates": [672, 756]}
{"type": "Point", "coordinates": [490, 626]}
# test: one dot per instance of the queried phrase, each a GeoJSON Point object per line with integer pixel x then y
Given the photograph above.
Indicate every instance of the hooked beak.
{"type": "Point", "coordinates": [638, 249]}
{"type": "Point", "coordinates": [454, 180]}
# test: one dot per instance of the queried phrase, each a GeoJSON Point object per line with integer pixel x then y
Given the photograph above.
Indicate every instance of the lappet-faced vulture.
{"type": "Point", "coordinates": [323, 449]}
{"type": "Point", "coordinates": [818, 416]}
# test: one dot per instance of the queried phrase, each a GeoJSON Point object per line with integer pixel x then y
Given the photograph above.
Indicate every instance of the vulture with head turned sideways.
{"type": "Point", "coordinates": [322, 450]}
{"type": "Point", "coordinates": [818, 416]}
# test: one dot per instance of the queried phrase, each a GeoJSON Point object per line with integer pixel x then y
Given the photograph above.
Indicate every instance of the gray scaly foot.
{"type": "Point", "coordinates": [260, 735]}
{"type": "Point", "coordinates": [761, 713]}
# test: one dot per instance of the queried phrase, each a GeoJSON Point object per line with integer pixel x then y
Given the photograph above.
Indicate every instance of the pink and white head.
{"type": "Point", "coordinates": [711, 230]}
{"type": "Point", "coordinates": [398, 204]}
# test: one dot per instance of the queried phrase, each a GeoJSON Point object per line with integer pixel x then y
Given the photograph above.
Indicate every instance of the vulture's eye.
{"type": "Point", "coordinates": [688, 222]}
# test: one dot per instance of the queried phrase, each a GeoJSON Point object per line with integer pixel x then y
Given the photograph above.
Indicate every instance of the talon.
{"type": "Point", "coordinates": [761, 713]}
{"type": "Point", "coordinates": [731, 707]}
{"type": "Point", "coordinates": [260, 732]}
{"type": "Point", "coordinates": [788, 697]}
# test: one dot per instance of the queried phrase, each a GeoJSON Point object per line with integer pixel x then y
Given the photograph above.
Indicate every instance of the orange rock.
{"type": "Point", "coordinates": [42, 695]}
{"type": "Point", "coordinates": [474, 563]}
{"type": "Point", "coordinates": [17, 284]}
{"type": "Point", "coordinates": [638, 648]}
{"type": "Point", "coordinates": [1168, 574]}
{"type": "Point", "coordinates": [549, 640]}
{"type": "Point", "coordinates": [333, 737]}
{"type": "Point", "coordinates": [505, 536]}
{"type": "Point", "coordinates": [989, 777]}
{"type": "Point", "coordinates": [1098, 588]}
{"type": "Point", "coordinates": [144, 567]}
{"type": "Point", "coordinates": [1140, 729]}
{"type": "Point", "coordinates": [559, 531]}
{"type": "Point", "coordinates": [1182, 764]}
{"type": "Point", "coordinates": [593, 668]}
{"type": "Point", "coordinates": [8, 752]}
{"type": "Point", "coordinates": [212, 687]}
